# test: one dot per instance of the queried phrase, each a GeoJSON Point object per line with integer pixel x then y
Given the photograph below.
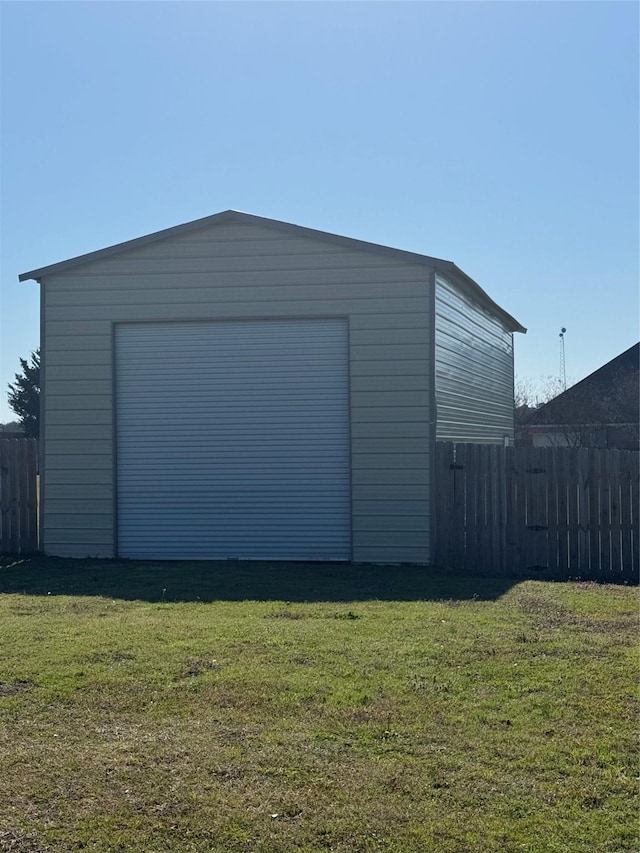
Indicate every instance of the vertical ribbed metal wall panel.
{"type": "Point", "coordinates": [233, 440]}
{"type": "Point", "coordinates": [473, 370]}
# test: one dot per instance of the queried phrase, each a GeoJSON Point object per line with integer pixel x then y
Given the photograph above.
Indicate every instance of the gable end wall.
{"type": "Point", "coordinates": [241, 271]}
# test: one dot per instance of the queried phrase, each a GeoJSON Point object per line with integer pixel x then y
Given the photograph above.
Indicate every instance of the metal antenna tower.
{"type": "Point", "coordinates": [563, 366]}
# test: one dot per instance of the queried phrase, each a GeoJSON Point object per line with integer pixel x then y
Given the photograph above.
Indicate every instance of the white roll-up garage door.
{"type": "Point", "coordinates": [233, 440]}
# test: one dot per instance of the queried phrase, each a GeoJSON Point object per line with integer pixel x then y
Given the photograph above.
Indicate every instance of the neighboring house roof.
{"type": "Point", "coordinates": [609, 395]}
{"type": "Point", "coordinates": [447, 268]}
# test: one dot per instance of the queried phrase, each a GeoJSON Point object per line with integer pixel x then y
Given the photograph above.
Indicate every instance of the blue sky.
{"type": "Point", "coordinates": [502, 136]}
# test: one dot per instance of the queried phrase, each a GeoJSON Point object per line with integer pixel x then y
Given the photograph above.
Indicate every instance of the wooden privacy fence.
{"type": "Point", "coordinates": [564, 512]}
{"type": "Point", "coordinates": [18, 495]}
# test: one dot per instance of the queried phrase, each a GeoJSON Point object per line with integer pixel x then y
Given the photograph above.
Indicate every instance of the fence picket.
{"type": "Point", "coordinates": [31, 496]}
{"type": "Point", "coordinates": [573, 509]}
{"type": "Point", "coordinates": [594, 514]}
{"type": "Point", "coordinates": [539, 521]}
{"type": "Point", "coordinates": [492, 510]}
{"type": "Point", "coordinates": [520, 511]}
{"type": "Point", "coordinates": [629, 523]}
{"type": "Point", "coordinates": [562, 469]}
{"type": "Point", "coordinates": [580, 469]}
{"type": "Point", "coordinates": [526, 509]}
{"type": "Point", "coordinates": [635, 507]}
{"type": "Point", "coordinates": [444, 500]}
{"type": "Point", "coordinates": [13, 517]}
{"type": "Point", "coordinates": [457, 517]}
{"type": "Point", "coordinates": [22, 508]}
{"type": "Point", "coordinates": [489, 482]}
{"type": "Point", "coordinates": [4, 496]}
{"type": "Point", "coordinates": [605, 515]}
{"type": "Point", "coordinates": [474, 521]}
{"type": "Point", "coordinates": [614, 479]}
{"type": "Point", "coordinates": [463, 454]}
{"type": "Point", "coordinates": [511, 548]}
{"type": "Point", "coordinates": [481, 506]}
{"type": "Point", "coordinates": [552, 510]}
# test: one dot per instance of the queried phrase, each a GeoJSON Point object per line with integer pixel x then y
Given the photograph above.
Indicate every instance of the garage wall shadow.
{"type": "Point", "coordinates": [241, 581]}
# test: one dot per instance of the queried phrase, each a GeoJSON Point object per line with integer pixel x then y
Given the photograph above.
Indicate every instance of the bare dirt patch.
{"type": "Point", "coordinates": [13, 688]}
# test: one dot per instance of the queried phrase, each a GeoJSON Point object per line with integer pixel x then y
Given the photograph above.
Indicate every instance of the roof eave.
{"type": "Point", "coordinates": [448, 267]}
{"type": "Point", "coordinates": [61, 266]}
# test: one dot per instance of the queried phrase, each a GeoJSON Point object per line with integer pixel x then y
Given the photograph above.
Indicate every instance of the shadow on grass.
{"type": "Point", "coordinates": [241, 581]}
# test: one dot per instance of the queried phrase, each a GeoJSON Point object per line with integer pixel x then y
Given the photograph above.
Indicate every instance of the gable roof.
{"type": "Point", "coordinates": [447, 268]}
{"type": "Point", "coordinates": [609, 395]}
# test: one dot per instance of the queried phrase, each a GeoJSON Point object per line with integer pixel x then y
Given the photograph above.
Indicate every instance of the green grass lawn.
{"type": "Point", "coordinates": [258, 707]}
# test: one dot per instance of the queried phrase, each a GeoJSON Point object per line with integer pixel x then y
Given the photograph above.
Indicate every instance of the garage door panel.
{"type": "Point", "coordinates": [233, 440]}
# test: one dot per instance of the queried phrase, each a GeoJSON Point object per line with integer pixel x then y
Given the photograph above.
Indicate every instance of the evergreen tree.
{"type": "Point", "coordinates": [24, 395]}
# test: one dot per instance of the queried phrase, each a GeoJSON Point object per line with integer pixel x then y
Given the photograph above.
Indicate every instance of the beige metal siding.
{"type": "Point", "coordinates": [245, 271]}
{"type": "Point", "coordinates": [473, 369]}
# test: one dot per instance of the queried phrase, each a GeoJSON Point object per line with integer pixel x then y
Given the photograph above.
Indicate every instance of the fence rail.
{"type": "Point", "coordinates": [18, 495]}
{"type": "Point", "coordinates": [561, 511]}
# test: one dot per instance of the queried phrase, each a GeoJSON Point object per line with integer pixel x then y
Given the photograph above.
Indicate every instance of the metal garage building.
{"type": "Point", "coordinates": [239, 387]}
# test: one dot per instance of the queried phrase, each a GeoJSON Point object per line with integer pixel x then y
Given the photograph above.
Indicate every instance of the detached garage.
{"type": "Point", "coordinates": [238, 387]}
